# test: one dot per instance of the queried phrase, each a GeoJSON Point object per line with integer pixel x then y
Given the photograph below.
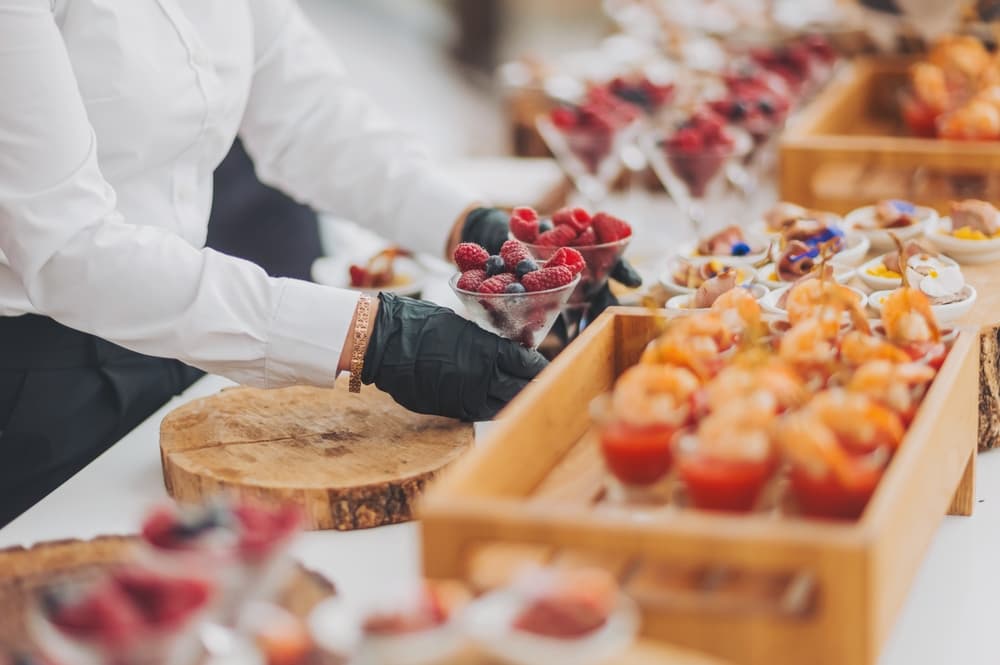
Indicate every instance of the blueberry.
{"type": "Point", "coordinates": [524, 267]}
{"type": "Point", "coordinates": [545, 225]}
{"type": "Point", "coordinates": [741, 249]}
{"type": "Point", "coordinates": [765, 106]}
{"type": "Point", "coordinates": [494, 265]}
{"type": "Point", "coordinates": [514, 287]}
{"type": "Point", "coordinates": [738, 110]}
{"type": "Point", "coordinates": [635, 96]}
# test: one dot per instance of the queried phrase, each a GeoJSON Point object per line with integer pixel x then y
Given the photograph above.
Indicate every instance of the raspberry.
{"type": "Point", "coordinates": [359, 276]}
{"type": "Point", "coordinates": [563, 117]}
{"type": "Point", "coordinates": [513, 252]}
{"type": "Point", "coordinates": [585, 239]}
{"type": "Point", "coordinates": [609, 228]}
{"type": "Point", "coordinates": [471, 279]}
{"type": "Point", "coordinates": [566, 256]}
{"type": "Point", "coordinates": [578, 218]}
{"type": "Point", "coordinates": [470, 256]}
{"type": "Point", "coordinates": [547, 278]}
{"type": "Point", "coordinates": [557, 237]}
{"type": "Point", "coordinates": [497, 283]}
{"type": "Point", "coordinates": [523, 227]}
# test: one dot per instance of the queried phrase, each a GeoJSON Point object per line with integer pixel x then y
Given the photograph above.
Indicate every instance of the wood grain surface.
{"type": "Point", "coordinates": [350, 461]}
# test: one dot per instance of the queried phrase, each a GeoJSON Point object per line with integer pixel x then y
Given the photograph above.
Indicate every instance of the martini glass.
{"type": "Point", "coordinates": [698, 180]}
{"type": "Point", "coordinates": [523, 317]}
{"type": "Point", "coordinates": [600, 260]}
{"type": "Point", "coordinates": [590, 155]}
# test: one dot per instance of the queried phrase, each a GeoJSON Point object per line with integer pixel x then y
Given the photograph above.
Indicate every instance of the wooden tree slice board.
{"type": "Point", "coordinates": [350, 461]}
{"type": "Point", "coordinates": [25, 571]}
{"type": "Point", "coordinates": [985, 317]}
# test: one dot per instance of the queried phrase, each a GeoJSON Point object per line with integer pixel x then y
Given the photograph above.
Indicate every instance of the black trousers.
{"type": "Point", "coordinates": [65, 397]}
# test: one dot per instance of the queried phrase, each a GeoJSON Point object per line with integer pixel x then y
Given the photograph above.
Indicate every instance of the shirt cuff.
{"type": "Point", "coordinates": [433, 208]}
{"type": "Point", "coordinates": [307, 334]}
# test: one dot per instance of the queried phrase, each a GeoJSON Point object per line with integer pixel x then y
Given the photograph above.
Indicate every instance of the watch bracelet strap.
{"type": "Point", "coordinates": [361, 334]}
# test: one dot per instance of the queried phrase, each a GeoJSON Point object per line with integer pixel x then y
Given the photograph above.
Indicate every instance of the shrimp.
{"type": "Point", "coordinates": [857, 348]}
{"type": "Point", "coordinates": [826, 301]}
{"type": "Point", "coordinates": [737, 383]}
{"type": "Point", "coordinates": [976, 120]}
{"type": "Point", "coordinates": [739, 311]}
{"type": "Point", "coordinates": [815, 447]}
{"type": "Point", "coordinates": [859, 422]}
{"type": "Point", "coordinates": [930, 85]}
{"type": "Point", "coordinates": [699, 354]}
{"type": "Point", "coordinates": [908, 317]}
{"type": "Point", "coordinates": [809, 344]}
{"type": "Point", "coordinates": [741, 430]}
{"type": "Point", "coordinates": [897, 386]}
{"type": "Point", "coordinates": [655, 395]}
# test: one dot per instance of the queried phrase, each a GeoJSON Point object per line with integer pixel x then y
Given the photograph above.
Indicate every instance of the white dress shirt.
{"type": "Point", "coordinates": [113, 116]}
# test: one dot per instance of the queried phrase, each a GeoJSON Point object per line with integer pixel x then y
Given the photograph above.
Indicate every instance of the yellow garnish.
{"type": "Point", "coordinates": [933, 273]}
{"type": "Point", "coordinates": [773, 276]}
{"type": "Point", "coordinates": [968, 233]}
{"type": "Point", "coordinates": [881, 271]}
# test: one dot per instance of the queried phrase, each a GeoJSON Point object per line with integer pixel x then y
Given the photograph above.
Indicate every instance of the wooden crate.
{"type": "Point", "coordinates": [850, 148]}
{"type": "Point", "coordinates": [748, 588]}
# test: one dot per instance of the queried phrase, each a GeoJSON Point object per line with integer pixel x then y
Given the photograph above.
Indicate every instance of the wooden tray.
{"type": "Point", "coordinates": [752, 589]}
{"type": "Point", "coordinates": [850, 148]}
{"type": "Point", "coordinates": [25, 571]}
{"type": "Point", "coordinates": [350, 461]}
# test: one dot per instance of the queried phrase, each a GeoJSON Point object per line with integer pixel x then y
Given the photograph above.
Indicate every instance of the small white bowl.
{"type": "Point", "coordinates": [880, 239]}
{"type": "Point", "coordinates": [841, 273]}
{"type": "Point", "coordinates": [943, 313]}
{"type": "Point", "coordinates": [769, 303]}
{"type": "Point", "coordinates": [964, 251]}
{"type": "Point", "coordinates": [489, 622]}
{"type": "Point", "coordinates": [855, 250]}
{"type": "Point", "coordinates": [680, 305]}
{"type": "Point", "coordinates": [876, 283]}
{"type": "Point", "coordinates": [329, 271]}
{"type": "Point", "coordinates": [689, 251]}
{"type": "Point", "coordinates": [744, 273]}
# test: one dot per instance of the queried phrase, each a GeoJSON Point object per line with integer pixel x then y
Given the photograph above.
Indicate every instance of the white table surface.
{"type": "Point", "coordinates": [949, 616]}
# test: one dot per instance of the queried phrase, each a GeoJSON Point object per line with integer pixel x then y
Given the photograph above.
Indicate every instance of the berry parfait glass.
{"type": "Point", "coordinates": [601, 240]}
{"type": "Point", "coordinates": [510, 293]}
{"type": "Point", "coordinates": [695, 162]}
{"type": "Point", "coordinates": [588, 139]}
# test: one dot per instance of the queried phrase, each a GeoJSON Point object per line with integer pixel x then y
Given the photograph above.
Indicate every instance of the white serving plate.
{"type": "Point", "coordinates": [488, 621]}
{"type": "Point", "coordinates": [329, 271]}
{"type": "Point", "coordinates": [674, 289]}
{"type": "Point", "coordinates": [969, 252]}
{"type": "Point", "coordinates": [769, 303]}
{"type": "Point", "coordinates": [759, 247]}
{"type": "Point", "coordinates": [841, 273]}
{"type": "Point", "coordinates": [679, 305]}
{"type": "Point", "coordinates": [880, 239]}
{"type": "Point", "coordinates": [943, 313]}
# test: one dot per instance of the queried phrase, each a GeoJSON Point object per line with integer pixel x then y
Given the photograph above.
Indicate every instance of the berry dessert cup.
{"type": "Point", "coordinates": [565, 617]}
{"type": "Point", "coordinates": [695, 163]}
{"type": "Point", "coordinates": [587, 139]}
{"type": "Point", "coordinates": [131, 617]}
{"type": "Point", "coordinates": [244, 547]}
{"type": "Point", "coordinates": [512, 294]}
{"type": "Point", "coordinates": [600, 240]}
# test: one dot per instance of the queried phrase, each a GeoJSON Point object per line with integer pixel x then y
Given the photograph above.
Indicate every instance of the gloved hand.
{"type": "Point", "coordinates": [431, 360]}
{"type": "Point", "coordinates": [490, 228]}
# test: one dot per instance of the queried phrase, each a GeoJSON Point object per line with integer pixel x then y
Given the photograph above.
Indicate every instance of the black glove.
{"type": "Point", "coordinates": [433, 361]}
{"type": "Point", "coordinates": [490, 228]}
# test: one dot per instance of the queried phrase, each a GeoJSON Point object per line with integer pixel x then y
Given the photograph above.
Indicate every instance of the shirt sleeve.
{"type": "Point", "coordinates": [132, 283]}
{"type": "Point", "coordinates": [316, 136]}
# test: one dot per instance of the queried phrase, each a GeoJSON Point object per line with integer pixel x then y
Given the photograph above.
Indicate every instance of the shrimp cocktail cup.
{"type": "Point", "coordinates": [638, 424]}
